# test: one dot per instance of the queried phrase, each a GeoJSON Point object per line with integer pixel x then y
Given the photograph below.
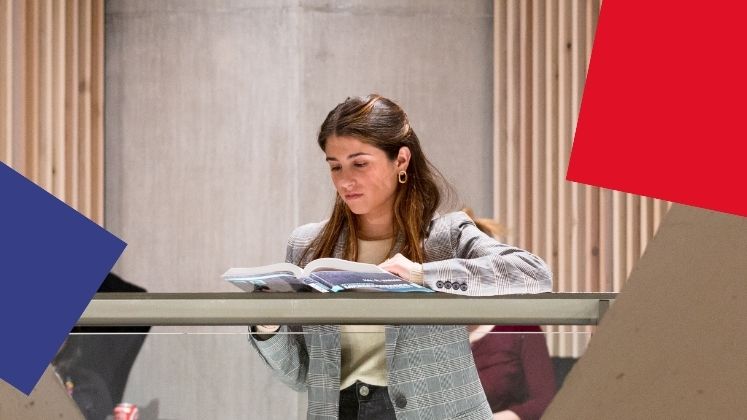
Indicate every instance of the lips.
{"type": "Point", "coordinates": [353, 196]}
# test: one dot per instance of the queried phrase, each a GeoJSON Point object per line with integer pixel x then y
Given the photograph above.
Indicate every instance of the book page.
{"type": "Point", "coordinates": [338, 281]}
{"type": "Point", "coordinates": [276, 283]}
{"type": "Point", "coordinates": [281, 277]}
{"type": "Point", "coordinates": [272, 269]}
{"type": "Point", "coordinates": [337, 264]}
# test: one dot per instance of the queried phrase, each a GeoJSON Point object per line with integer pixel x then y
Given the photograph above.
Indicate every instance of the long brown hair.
{"type": "Point", "coordinates": [378, 121]}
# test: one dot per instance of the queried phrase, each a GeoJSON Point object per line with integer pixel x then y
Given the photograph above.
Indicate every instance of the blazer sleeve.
{"type": "Point", "coordinates": [481, 265]}
{"type": "Point", "coordinates": [285, 352]}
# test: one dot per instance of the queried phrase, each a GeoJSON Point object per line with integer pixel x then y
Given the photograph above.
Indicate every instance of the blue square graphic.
{"type": "Point", "coordinates": [52, 261]}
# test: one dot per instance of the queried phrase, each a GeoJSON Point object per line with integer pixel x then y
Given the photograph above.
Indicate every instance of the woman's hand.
{"type": "Point", "coordinates": [505, 415]}
{"type": "Point", "coordinates": [265, 332]}
{"type": "Point", "coordinates": [267, 328]}
{"type": "Point", "coordinates": [403, 267]}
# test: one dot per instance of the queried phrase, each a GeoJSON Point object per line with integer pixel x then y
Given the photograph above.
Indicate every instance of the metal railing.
{"type": "Point", "coordinates": [213, 309]}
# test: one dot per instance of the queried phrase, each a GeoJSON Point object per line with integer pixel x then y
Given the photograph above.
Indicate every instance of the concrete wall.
{"type": "Point", "coordinates": [212, 111]}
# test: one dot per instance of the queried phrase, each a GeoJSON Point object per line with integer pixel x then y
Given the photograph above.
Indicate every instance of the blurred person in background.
{"type": "Point", "coordinates": [512, 361]}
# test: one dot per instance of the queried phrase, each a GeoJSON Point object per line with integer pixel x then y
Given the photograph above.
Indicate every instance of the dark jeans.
{"type": "Point", "coordinates": [361, 401]}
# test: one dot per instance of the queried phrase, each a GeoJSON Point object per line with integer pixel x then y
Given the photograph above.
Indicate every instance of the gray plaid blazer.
{"type": "Point", "coordinates": [431, 371]}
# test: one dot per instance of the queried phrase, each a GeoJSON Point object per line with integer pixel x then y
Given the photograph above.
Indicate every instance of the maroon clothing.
{"type": "Point", "coordinates": [515, 370]}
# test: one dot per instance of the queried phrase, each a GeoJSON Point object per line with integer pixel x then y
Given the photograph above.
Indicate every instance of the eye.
{"type": "Point", "coordinates": [334, 168]}
{"type": "Point", "coordinates": [360, 164]}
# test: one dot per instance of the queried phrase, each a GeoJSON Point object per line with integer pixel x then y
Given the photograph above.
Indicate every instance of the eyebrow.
{"type": "Point", "coordinates": [349, 156]}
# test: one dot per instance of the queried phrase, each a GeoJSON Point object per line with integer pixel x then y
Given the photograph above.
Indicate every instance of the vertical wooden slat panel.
{"type": "Point", "coordinates": [512, 114]}
{"type": "Point", "coordinates": [619, 231]}
{"type": "Point", "coordinates": [578, 191]}
{"type": "Point", "coordinates": [84, 112]}
{"type": "Point", "coordinates": [71, 103]}
{"type": "Point", "coordinates": [591, 238]}
{"type": "Point", "coordinates": [591, 194]}
{"type": "Point", "coordinates": [633, 238]}
{"type": "Point", "coordinates": [565, 122]}
{"type": "Point", "coordinates": [46, 89]}
{"type": "Point", "coordinates": [31, 157]}
{"type": "Point", "coordinates": [58, 99]}
{"type": "Point", "coordinates": [578, 196]}
{"type": "Point", "coordinates": [500, 123]}
{"type": "Point", "coordinates": [657, 214]}
{"type": "Point", "coordinates": [539, 207]}
{"type": "Point", "coordinates": [551, 147]}
{"type": "Point", "coordinates": [602, 268]}
{"type": "Point", "coordinates": [606, 238]}
{"type": "Point", "coordinates": [6, 81]}
{"type": "Point", "coordinates": [592, 17]}
{"type": "Point", "coordinates": [97, 112]}
{"type": "Point", "coordinates": [525, 136]}
{"type": "Point", "coordinates": [19, 94]}
{"type": "Point", "coordinates": [647, 222]}
{"type": "Point", "coordinates": [592, 274]}
{"type": "Point", "coordinates": [551, 129]}
{"type": "Point", "coordinates": [51, 114]}
{"type": "Point", "coordinates": [564, 130]}
{"type": "Point", "coordinates": [660, 210]}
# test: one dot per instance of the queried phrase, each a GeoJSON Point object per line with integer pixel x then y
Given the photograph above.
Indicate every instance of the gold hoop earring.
{"type": "Point", "coordinates": [402, 177]}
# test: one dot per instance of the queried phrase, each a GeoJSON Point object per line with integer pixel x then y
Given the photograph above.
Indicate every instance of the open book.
{"type": "Point", "coordinates": [322, 275]}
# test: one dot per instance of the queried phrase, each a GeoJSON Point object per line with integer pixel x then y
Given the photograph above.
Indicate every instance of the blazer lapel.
{"type": "Point", "coordinates": [339, 251]}
{"type": "Point", "coordinates": [391, 332]}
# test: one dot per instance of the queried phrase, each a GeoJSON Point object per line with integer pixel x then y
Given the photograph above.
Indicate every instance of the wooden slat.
{"type": "Point", "coordinates": [539, 207]}
{"type": "Point", "coordinates": [660, 210]}
{"type": "Point", "coordinates": [592, 17]}
{"type": "Point", "coordinates": [525, 124]}
{"type": "Point", "coordinates": [84, 112]}
{"type": "Point", "coordinates": [539, 210]}
{"type": "Point", "coordinates": [46, 89]}
{"type": "Point", "coordinates": [618, 245]}
{"type": "Point", "coordinates": [512, 115]}
{"type": "Point", "coordinates": [97, 112]}
{"type": "Point", "coordinates": [551, 135]}
{"type": "Point", "coordinates": [58, 99]}
{"type": "Point", "coordinates": [500, 204]}
{"type": "Point", "coordinates": [551, 147]}
{"type": "Point", "coordinates": [647, 222]}
{"type": "Point", "coordinates": [633, 241]}
{"type": "Point", "coordinates": [31, 158]}
{"type": "Point", "coordinates": [581, 228]}
{"type": "Point", "coordinates": [6, 81]}
{"type": "Point", "coordinates": [19, 93]}
{"type": "Point", "coordinates": [578, 193]}
{"type": "Point", "coordinates": [592, 273]}
{"type": "Point", "coordinates": [71, 103]}
{"type": "Point", "coordinates": [563, 137]}
{"type": "Point", "coordinates": [565, 127]}
{"type": "Point", "coordinates": [606, 238]}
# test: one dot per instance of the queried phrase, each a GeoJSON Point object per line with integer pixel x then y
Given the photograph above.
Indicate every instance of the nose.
{"type": "Point", "coordinates": [345, 181]}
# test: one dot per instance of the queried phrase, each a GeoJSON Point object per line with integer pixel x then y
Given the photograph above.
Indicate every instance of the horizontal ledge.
{"type": "Point", "coordinates": [214, 309]}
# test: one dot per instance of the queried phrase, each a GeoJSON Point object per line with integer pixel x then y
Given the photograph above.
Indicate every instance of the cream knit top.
{"type": "Point", "coordinates": [362, 346]}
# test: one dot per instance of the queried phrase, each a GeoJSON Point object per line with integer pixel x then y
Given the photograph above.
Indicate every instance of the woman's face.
{"type": "Point", "coordinates": [363, 175]}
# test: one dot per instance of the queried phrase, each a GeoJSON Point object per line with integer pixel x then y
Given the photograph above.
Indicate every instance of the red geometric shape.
{"type": "Point", "coordinates": [664, 110]}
